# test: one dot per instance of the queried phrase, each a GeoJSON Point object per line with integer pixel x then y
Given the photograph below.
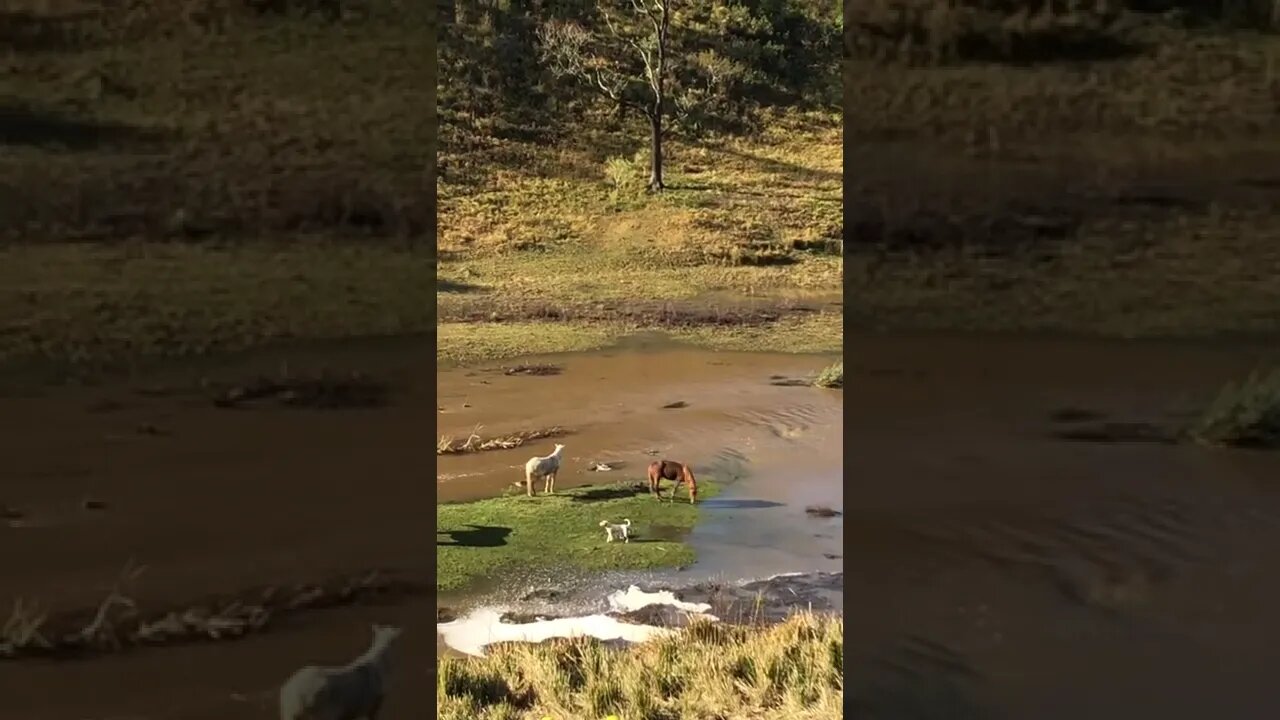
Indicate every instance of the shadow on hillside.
{"type": "Point", "coordinates": [28, 32]}
{"type": "Point", "coordinates": [455, 286]}
{"type": "Point", "coordinates": [45, 128]}
{"type": "Point", "coordinates": [790, 170]}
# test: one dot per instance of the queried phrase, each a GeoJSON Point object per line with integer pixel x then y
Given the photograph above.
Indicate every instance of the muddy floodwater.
{"type": "Point", "coordinates": [747, 420]}
{"type": "Point", "coordinates": [1005, 560]}
{"type": "Point", "coordinates": [216, 501]}
{"type": "Point", "coordinates": [1023, 537]}
{"type": "Point", "coordinates": [739, 419]}
{"type": "Point", "coordinates": [1020, 538]}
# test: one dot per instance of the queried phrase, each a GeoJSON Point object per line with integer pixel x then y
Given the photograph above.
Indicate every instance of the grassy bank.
{"type": "Point", "coordinates": [790, 671]}
{"type": "Point", "coordinates": [1095, 170]}
{"type": "Point", "coordinates": [191, 178]}
{"type": "Point", "coordinates": [477, 539]}
{"type": "Point", "coordinates": [82, 308]}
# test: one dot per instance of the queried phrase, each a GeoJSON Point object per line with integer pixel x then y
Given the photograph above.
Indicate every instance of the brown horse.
{"type": "Point", "coordinates": [677, 472]}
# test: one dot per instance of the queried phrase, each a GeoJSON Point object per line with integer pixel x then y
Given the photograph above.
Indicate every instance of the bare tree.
{"type": "Point", "coordinates": [626, 61]}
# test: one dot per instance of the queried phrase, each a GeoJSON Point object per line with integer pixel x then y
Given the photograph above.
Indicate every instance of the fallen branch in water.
{"type": "Point", "coordinates": [447, 444]}
{"type": "Point", "coordinates": [117, 624]}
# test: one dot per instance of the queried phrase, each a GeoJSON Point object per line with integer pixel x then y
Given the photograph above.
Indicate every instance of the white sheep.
{"type": "Point", "coordinates": [353, 691]}
{"type": "Point", "coordinates": [545, 467]}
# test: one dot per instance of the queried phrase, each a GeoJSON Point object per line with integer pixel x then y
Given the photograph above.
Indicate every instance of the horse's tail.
{"type": "Point", "coordinates": [693, 484]}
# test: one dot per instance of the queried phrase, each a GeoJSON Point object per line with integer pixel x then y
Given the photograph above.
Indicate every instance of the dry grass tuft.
{"type": "Point", "coordinates": [831, 376]}
{"type": "Point", "coordinates": [1246, 414]}
{"type": "Point", "coordinates": [793, 670]}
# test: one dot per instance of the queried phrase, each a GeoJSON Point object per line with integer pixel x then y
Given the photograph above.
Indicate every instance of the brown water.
{"type": "Point", "coordinates": [215, 501]}
{"type": "Point", "coordinates": [733, 417]}
{"type": "Point", "coordinates": [995, 570]}
{"type": "Point", "coordinates": [776, 448]}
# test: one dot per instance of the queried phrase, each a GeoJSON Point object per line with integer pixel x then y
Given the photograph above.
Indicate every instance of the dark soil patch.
{"type": "Point", "coordinates": [652, 314]}
{"type": "Point", "coordinates": [656, 615]}
{"type": "Point", "coordinates": [822, 511]}
{"type": "Point", "coordinates": [543, 594]}
{"type": "Point", "coordinates": [522, 618]}
{"type": "Point", "coordinates": [455, 286]}
{"type": "Point", "coordinates": [677, 405]}
{"type": "Point", "coordinates": [26, 126]}
{"type": "Point", "coordinates": [533, 370]}
{"type": "Point", "coordinates": [324, 390]}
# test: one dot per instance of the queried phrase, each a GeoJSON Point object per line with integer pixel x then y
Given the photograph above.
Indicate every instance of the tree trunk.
{"type": "Point", "coordinates": [655, 147]}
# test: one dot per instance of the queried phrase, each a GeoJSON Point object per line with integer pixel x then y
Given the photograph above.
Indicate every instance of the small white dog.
{"type": "Point", "coordinates": [622, 530]}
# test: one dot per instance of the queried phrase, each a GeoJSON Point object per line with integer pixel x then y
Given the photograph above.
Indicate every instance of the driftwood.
{"type": "Point", "coordinates": [117, 624]}
{"type": "Point", "coordinates": [447, 444]}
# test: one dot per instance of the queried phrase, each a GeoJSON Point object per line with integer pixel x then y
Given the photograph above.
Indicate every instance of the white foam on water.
{"type": "Point", "coordinates": [633, 598]}
{"type": "Point", "coordinates": [483, 626]}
